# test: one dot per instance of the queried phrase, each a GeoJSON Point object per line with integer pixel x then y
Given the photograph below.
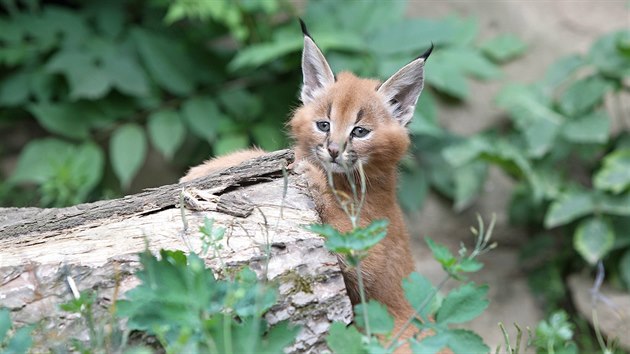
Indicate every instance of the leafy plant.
{"type": "Point", "coordinates": [13, 341]}
{"type": "Point", "coordinates": [572, 173]}
{"type": "Point", "coordinates": [190, 79]}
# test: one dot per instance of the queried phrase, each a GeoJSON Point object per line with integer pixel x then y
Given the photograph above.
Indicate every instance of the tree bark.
{"type": "Point", "coordinates": [96, 244]}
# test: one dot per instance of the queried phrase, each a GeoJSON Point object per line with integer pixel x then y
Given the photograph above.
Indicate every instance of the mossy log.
{"type": "Point", "coordinates": [96, 244]}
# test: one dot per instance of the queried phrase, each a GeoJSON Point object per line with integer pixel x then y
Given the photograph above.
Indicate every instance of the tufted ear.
{"type": "Point", "coordinates": [402, 90]}
{"type": "Point", "coordinates": [315, 69]}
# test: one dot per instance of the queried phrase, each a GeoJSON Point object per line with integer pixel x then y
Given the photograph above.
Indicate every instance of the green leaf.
{"type": "Point", "coordinates": [583, 95]}
{"type": "Point", "coordinates": [561, 70]}
{"type": "Point", "coordinates": [230, 142]}
{"type": "Point", "coordinates": [470, 265]}
{"type": "Point", "coordinates": [540, 137]}
{"type": "Point", "coordinates": [614, 204]}
{"type": "Point", "coordinates": [267, 136]}
{"type": "Point", "coordinates": [127, 150]}
{"type": "Point", "coordinates": [443, 77]}
{"type": "Point", "coordinates": [62, 118]}
{"type": "Point", "coordinates": [624, 270]}
{"type": "Point", "coordinates": [345, 340]}
{"type": "Point", "coordinates": [381, 322]}
{"type": "Point", "coordinates": [463, 304]}
{"type": "Point", "coordinates": [464, 152]}
{"type": "Point", "coordinates": [167, 60]}
{"type": "Point", "coordinates": [470, 61]}
{"type": "Point", "coordinates": [15, 89]}
{"type": "Point", "coordinates": [240, 104]}
{"type": "Point", "coordinates": [568, 207]}
{"type": "Point", "coordinates": [593, 128]}
{"type": "Point", "coordinates": [555, 332]}
{"type": "Point", "coordinates": [413, 188]}
{"type": "Point", "coordinates": [5, 323]}
{"type": "Point", "coordinates": [426, 110]}
{"type": "Point", "coordinates": [469, 180]}
{"type": "Point", "coordinates": [412, 36]}
{"type": "Point", "coordinates": [359, 239]}
{"type": "Point", "coordinates": [166, 131]}
{"type": "Point", "coordinates": [441, 253]}
{"type": "Point", "coordinates": [614, 175]}
{"type": "Point", "coordinates": [278, 337]}
{"type": "Point", "coordinates": [85, 77]}
{"type": "Point", "coordinates": [78, 168]}
{"type": "Point", "coordinates": [21, 341]}
{"type": "Point", "coordinates": [421, 294]}
{"type": "Point", "coordinates": [608, 56]}
{"type": "Point", "coordinates": [203, 117]}
{"type": "Point", "coordinates": [593, 239]}
{"type": "Point", "coordinates": [460, 341]}
{"type": "Point", "coordinates": [504, 48]}
{"type": "Point", "coordinates": [527, 105]}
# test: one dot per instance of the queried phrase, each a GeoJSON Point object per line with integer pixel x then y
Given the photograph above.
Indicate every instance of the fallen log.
{"type": "Point", "coordinates": [261, 206]}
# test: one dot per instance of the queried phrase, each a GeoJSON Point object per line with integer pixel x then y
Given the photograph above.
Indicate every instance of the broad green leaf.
{"type": "Point", "coordinates": [463, 304]}
{"type": "Point", "coordinates": [126, 75]}
{"type": "Point", "coordinates": [568, 207]}
{"type": "Point", "coordinates": [614, 204]}
{"type": "Point", "coordinates": [381, 322]}
{"type": "Point", "coordinates": [527, 105]}
{"type": "Point", "coordinates": [167, 60]}
{"type": "Point", "coordinates": [540, 137]}
{"type": "Point", "coordinates": [504, 47]}
{"type": "Point", "coordinates": [5, 323]}
{"type": "Point", "coordinates": [345, 340]}
{"type": "Point", "coordinates": [279, 337]}
{"type": "Point", "coordinates": [366, 16]}
{"type": "Point", "coordinates": [469, 180]}
{"type": "Point", "coordinates": [593, 239]}
{"type": "Point", "coordinates": [268, 137]}
{"type": "Point", "coordinates": [447, 79]}
{"type": "Point", "coordinates": [229, 143]}
{"type": "Point", "coordinates": [39, 159]}
{"type": "Point", "coordinates": [460, 341]}
{"type": "Point", "coordinates": [240, 104]}
{"type": "Point", "coordinates": [421, 294]}
{"type": "Point", "coordinates": [608, 56]}
{"type": "Point", "coordinates": [166, 131]}
{"type": "Point", "coordinates": [441, 253]}
{"type": "Point", "coordinates": [66, 119]}
{"type": "Point", "coordinates": [561, 70]}
{"type": "Point", "coordinates": [127, 150]}
{"type": "Point", "coordinates": [470, 61]}
{"type": "Point", "coordinates": [263, 53]}
{"type": "Point", "coordinates": [413, 188]}
{"type": "Point", "coordinates": [614, 175]}
{"type": "Point", "coordinates": [624, 270]}
{"type": "Point", "coordinates": [464, 152]}
{"type": "Point", "coordinates": [592, 128]}
{"type": "Point", "coordinates": [426, 109]}
{"type": "Point", "coordinates": [203, 117]}
{"type": "Point", "coordinates": [583, 95]}
{"type": "Point", "coordinates": [412, 36]}
{"type": "Point", "coordinates": [85, 77]}
{"type": "Point", "coordinates": [20, 342]}
{"type": "Point", "coordinates": [14, 89]}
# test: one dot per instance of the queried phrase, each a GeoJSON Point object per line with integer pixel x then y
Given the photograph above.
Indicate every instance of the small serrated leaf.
{"type": "Point", "coordinates": [127, 149]}
{"type": "Point", "coordinates": [420, 293]}
{"type": "Point", "coordinates": [345, 340]}
{"type": "Point", "coordinates": [463, 304]}
{"type": "Point", "coordinates": [441, 253]}
{"type": "Point", "coordinates": [381, 322]}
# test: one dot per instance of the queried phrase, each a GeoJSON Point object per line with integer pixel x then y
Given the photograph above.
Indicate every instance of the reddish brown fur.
{"type": "Point", "coordinates": [389, 261]}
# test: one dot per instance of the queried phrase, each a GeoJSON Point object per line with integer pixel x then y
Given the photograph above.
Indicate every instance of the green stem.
{"type": "Point", "coordinates": [363, 301]}
{"type": "Point", "coordinates": [227, 333]}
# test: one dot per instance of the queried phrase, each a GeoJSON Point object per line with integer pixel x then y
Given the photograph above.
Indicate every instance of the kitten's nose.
{"type": "Point", "coordinates": [333, 150]}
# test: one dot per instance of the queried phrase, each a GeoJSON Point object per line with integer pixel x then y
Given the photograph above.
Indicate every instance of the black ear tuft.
{"type": "Point", "coordinates": [426, 54]}
{"type": "Point", "coordinates": [304, 30]}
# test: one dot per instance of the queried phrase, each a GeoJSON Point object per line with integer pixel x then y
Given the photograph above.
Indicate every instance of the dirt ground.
{"type": "Point", "coordinates": [552, 29]}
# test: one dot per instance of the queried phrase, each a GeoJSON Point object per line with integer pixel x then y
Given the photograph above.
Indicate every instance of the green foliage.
{"type": "Point", "coordinates": [181, 302]}
{"type": "Point", "coordinates": [12, 340]}
{"type": "Point", "coordinates": [458, 306]}
{"type": "Point", "coordinates": [555, 335]}
{"type": "Point", "coordinates": [572, 173]}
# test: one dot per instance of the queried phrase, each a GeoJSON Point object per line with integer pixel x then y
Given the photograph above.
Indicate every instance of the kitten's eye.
{"type": "Point", "coordinates": [323, 126]}
{"type": "Point", "coordinates": [359, 132]}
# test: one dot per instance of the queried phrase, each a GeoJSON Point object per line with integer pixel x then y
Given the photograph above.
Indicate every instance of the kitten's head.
{"type": "Point", "coordinates": [347, 120]}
